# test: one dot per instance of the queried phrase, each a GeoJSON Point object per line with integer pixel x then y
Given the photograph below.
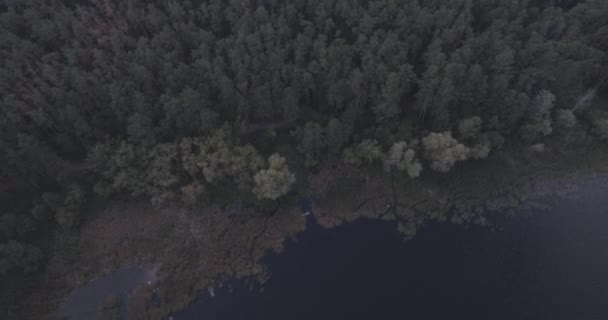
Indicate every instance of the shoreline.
{"type": "Point", "coordinates": [204, 246]}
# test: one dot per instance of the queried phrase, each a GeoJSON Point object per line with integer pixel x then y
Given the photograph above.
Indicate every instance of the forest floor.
{"type": "Point", "coordinates": [198, 247]}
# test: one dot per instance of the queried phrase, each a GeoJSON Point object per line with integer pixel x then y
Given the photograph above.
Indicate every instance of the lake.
{"type": "Point", "coordinates": [546, 265]}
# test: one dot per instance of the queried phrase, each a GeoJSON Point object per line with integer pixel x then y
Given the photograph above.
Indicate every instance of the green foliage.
{"type": "Point", "coordinates": [40, 211]}
{"type": "Point", "coordinates": [160, 176]}
{"type": "Point", "coordinates": [311, 143]}
{"type": "Point", "coordinates": [69, 214]}
{"type": "Point", "coordinates": [8, 224]}
{"type": "Point", "coordinates": [171, 171]}
{"type": "Point", "coordinates": [244, 163]}
{"type": "Point", "coordinates": [479, 144]}
{"type": "Point", "coordinates": [120, 167]}
{"type": "Point", "coordinates": [481, 149]}
{"type": "Point", "coordinates": [365, 153]}
{"type": "Point", "coordinates": [335, 137]}
{"type": "Point", "coordinates": [600, 127]}
{"type": "Point", "coordinates": [538, 122]}
{"type": "Point", "coordinates": [207, 158]}
{"type": "Point", "coordinates": [16, 256]}
{"type": "Point", "coordinates": [215, 158]}
{"type": "Point", "coordinates": [274, 182]}
{"type": "Point", "coordinates": [584, 102]}
{"type": "Point", "coordinates": [402, 158]}
{"type": "Point", "coordinates": [539, 147]}
{"type": "Point", "coordinates": [469, 128]}
{"type": "Point", "coordinates": [396, 85]}
{"type": "Point", "coordinates": [52, 200]}
{"type": "Point", "coordinates": [565, 119]}
{"type": "Point", "coordinates": [115, 80]}
{"type": "Point", "coordinates": [443, 151]}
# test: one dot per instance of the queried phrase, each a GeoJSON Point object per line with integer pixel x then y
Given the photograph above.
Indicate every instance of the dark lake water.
{"type": "Point", "coordinates": [548, 265]}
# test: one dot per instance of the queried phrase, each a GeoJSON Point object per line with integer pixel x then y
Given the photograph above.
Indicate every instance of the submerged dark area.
{"type": "Point", "coordinates": [544, 265]}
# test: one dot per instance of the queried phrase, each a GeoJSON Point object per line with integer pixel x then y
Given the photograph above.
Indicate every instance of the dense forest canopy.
{"type": "Point", "coordinates": [190, 100]}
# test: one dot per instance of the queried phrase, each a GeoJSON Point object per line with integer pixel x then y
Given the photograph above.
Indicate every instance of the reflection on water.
{"type": "Point", "coordinates": [85, 302]}
{"type": "Point", "coordinates": [548, 265]}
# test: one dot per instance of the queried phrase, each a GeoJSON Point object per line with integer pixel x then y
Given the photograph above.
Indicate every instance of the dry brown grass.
{"type": "Point", "coordinates": [193, 249]}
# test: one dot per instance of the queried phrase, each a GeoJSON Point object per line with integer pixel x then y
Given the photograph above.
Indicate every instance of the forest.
{"type": "Point", "coordinates": [195, 102]}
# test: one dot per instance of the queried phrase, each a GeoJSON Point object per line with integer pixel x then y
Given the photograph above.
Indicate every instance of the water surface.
{"type": "Point", "coordinates": [547, 265]}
